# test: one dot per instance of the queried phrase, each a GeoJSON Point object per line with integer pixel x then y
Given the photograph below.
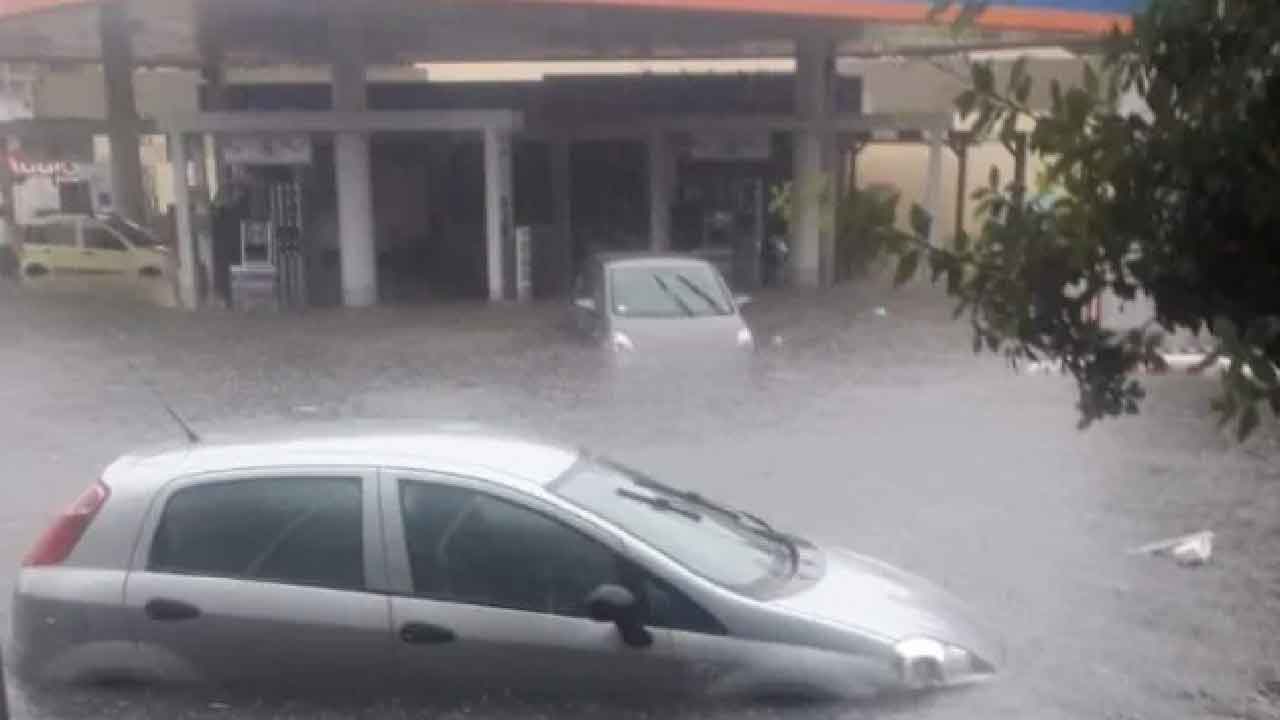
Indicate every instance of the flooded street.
{"type": "Point", "coordinates": [876, 431]}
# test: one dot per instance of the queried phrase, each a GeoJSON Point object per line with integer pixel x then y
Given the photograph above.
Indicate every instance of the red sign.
{"type": "Point", "coordinates": [21, 167]}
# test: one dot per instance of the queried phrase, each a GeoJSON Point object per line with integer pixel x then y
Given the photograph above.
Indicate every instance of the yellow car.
{"type": "Point", "coordinates": [91, 253]}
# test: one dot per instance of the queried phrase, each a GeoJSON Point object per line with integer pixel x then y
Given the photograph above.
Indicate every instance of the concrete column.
{"type": "Point", "coordinates": [188, 297]}
{"type": "Point", "coordinates": [933, 186]}
{"type": "Point", "coordinates": [661, 180]}
{"type": "Point", "coordinates": [813, 210]}
{"type": "Point", "coordinates": [122, 112]}
{"type": "Point", "coordinates": [357, 247]}
{"type": "Point", "coordinates": [562, 192]}
{"type": "Point", "coordinates": [497, 206]}
{"type": "Point", "coordinates": [202, 214]}
{"type": "Point", "coordinates": [960, 145]}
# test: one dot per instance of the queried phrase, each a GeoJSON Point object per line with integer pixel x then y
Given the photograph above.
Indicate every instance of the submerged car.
{"type": "Point", "coordinates": [454, 558]}
{"type": "Point", "coordinates": [639, 302]}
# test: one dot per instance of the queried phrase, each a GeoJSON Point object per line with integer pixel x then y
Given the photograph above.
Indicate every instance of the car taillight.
{"type": "Point", "coordinates": [60, 539]}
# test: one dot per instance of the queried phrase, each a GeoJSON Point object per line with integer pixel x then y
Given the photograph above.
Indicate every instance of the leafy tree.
{"type": "Point", "coordinates": [1176, 199]}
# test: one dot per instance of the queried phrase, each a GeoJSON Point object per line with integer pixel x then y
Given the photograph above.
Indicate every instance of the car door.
{"type": "Point", "coordinates": [51, 248]}
{"type": "Point", "coordinates": [275, 576]}
{"type": "Point", "coordinates": [493, 589]}
{"type": "Point", "coordinates": [105, 258]}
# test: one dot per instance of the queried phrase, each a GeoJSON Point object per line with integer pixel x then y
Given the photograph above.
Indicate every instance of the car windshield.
{"type": "Point", "coordinates": [665, 291]}
{"type": "Point", "coordinates": [706, 538]}
{"type": "Point", "coordinates": [135, 234]}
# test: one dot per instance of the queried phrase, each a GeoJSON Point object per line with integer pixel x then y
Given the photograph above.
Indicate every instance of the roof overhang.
{"type": "Point", "coordinates": [258, 32]}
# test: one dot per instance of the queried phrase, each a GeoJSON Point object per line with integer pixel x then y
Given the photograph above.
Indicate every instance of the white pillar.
{"type": "Point", "coordinates": [357, 252]}
{"type": "Point", "coordinates": [933, 186]}
{"type": "Point", "coordinates": [122, 112]}
{"type": "Point", "coordinates": [813, 210]}
{"type": "Point", "coordinates": [357, 247]}
{"type": "Point", "coordinates": [661, 178]}
{"type": "Point", "coordinates": [186, 241]}
{"type": "Point", "coordinates": [497, 206]}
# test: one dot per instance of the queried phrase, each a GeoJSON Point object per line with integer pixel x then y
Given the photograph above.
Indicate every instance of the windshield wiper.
{"type": "Point", "coordinates": [753, 523]}
{"type": "Point", "coordinates": [659, 503]}
{"type": "Point", "coordinates": [706, 296]}
{"type": "Point", "coordinates": [679, 301]}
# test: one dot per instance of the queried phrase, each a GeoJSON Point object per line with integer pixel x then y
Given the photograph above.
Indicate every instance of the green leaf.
{"type": "Point", "coordinates": [921, 221]}
{"type": "Point", "coordinates": [906, 267]}
{"type": "Point", "coordinates": [1017, 73]}
{"type": "Point", "coordinates": [969, 13]}
{"type": "Point", "coordinates": [937, 7]}
{"type": "Point", "coordinates": [983, 78]}
{"type": "Point", "coordinates": [1248, 422]}
{"type": "Point", "coordinates": [965, 102]}
{"type": "Point", "coordinates": [1262, 369]}
{"type": "Point", "coordinates": [1091, 80]}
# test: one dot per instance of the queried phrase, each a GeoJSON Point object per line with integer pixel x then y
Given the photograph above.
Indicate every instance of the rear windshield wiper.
{"type": "Point", "coordinates": [754, 523]}
{"type": "Point", "coordinates": [659, 503]}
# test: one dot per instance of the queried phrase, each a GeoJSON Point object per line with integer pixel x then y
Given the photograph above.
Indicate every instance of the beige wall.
{"type": "Point", "coordinates": [906, 167]}
{"type": "Point", "coordinates": [80, 93]}
{"type": "Point", "coordinates": [920, 86]}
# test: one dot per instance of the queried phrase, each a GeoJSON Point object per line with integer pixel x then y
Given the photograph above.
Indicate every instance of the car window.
{"type": "Point", "coordinates": [667, 292]}
{"type": "Point", "coordinates": [471, 547]}
{"type": "Point", "coordinates": [53, 235]}
{"type": "Point", "coordinates": [713, 545]}
{"type": "Point", "coordinates": [96, 238]}
{"type": "Point", "coordinates": [137, 236]}
{"type": "Point", "coordinates": [670, 608]}
{"type": "Point", "coordinates": [295, 530]}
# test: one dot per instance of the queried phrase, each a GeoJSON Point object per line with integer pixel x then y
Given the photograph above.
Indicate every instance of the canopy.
{"type": "Point", "coordinates": [173, 32]}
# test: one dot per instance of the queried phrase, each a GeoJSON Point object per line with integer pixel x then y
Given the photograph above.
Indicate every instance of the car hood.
{"type": "Point", "coordinates": [701, 333]}
{"type": "Point", "coordinates": [873, 597]}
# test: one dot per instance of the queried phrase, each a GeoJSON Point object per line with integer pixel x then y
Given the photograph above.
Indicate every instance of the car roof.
{"type": "Point", "coordinates": [58, 218]}
{"type": "Point", "coordinates": [493, 455]}
{"type": "Point", "coordinates": [614, 259]}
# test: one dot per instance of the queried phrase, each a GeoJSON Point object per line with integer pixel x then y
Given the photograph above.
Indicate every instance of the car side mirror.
{"type": "Point", "coordinates": [585, 303]}
{"type": "Point", "coordinates": [741, 300]}
{"type": "Point", "coordinates": [616, 604]}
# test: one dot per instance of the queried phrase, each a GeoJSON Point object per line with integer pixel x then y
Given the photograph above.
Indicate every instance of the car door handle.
{"type": "Point", "coordinates": [426, 634]}
{"type": "Point", "coordinates": [167, 610]}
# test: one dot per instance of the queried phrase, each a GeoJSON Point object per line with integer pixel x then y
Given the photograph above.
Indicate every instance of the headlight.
{"type": "Point", "coordinates": [925, 663]}
{"type": "Point", "coordinates": [619, 341]}
{"type": "Point", "coordinates": [746, 339]}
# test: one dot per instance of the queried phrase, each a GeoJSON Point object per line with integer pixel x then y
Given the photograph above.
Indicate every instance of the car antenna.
{"type": "Point", "coordinates": [192, 437]}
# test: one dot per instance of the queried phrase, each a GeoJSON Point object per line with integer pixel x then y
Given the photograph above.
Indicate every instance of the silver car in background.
{"type": "Point", "coordinates": [642, 302]}
{"type": "Point", "coordinates": [450, 558]}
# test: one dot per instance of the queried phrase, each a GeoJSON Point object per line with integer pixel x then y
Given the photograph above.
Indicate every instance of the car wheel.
{"type": "Point", "coordinates": [35, 271]}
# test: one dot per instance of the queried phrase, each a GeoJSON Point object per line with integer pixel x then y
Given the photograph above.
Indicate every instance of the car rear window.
{"type": "Point", "coordinates": [304, 531]}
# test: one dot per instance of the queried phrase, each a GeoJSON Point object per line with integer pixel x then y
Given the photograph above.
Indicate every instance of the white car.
{"type": "Point", "coordinates": [451, 558]}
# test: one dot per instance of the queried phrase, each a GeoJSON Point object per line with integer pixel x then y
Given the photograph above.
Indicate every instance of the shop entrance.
{"type": "Point", "coordinates": [721, 212]}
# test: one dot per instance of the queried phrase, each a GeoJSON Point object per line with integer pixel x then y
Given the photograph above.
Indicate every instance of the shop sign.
{"type": "Point", "coordinates": [730, 146]}
{"type": "Point", "coordinates": [21, 167]}
{"type": "Point", "coordinates": [267, 149]}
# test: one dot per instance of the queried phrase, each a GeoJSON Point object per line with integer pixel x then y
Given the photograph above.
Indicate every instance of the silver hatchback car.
{"type": "Point", "coordinates": [452, 558]}
{"type": "Point", "coordinates": [643, 303]}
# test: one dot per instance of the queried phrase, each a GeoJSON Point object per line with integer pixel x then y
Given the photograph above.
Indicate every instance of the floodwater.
{"type": "Point", "coordinates": [878, 431]}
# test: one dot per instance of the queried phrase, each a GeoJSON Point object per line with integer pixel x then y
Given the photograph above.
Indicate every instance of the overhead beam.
{"type": "Point", "coordinates": [342, 121]}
